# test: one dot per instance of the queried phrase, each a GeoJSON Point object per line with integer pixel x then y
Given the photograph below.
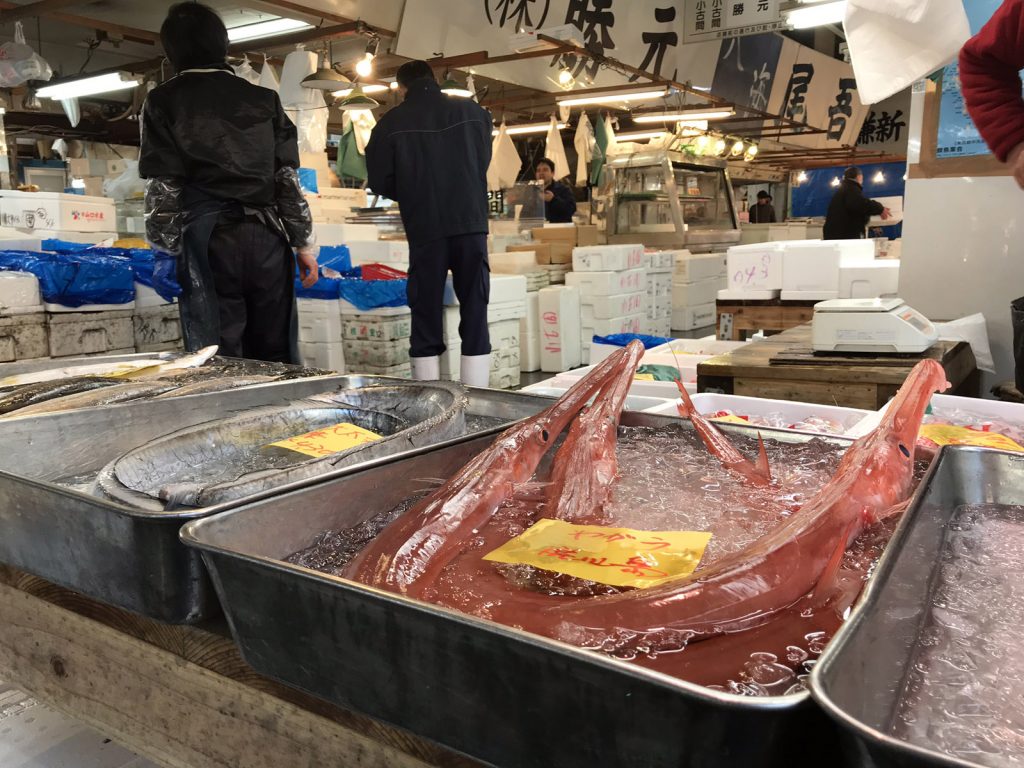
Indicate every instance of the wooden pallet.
{"type": "Point", "coordinates": [770, 316]}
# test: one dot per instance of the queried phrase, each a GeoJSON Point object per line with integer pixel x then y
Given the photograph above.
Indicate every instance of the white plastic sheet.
{"type": "Point", "coordinates": [894, 43]}
{"type": "Point", "coordinates": [305, 106]}
{"type": "Point", "coordinates": [974, 331]}
{"type": "Point", "coordinates": [19, 63]}
{"type": "Point", "coordinates": [127, 185]}
{"type": "Point", "coordinates": [246, 72]}
{"type": "Point", "coordinates": [584, 145]}
{"type": "Point", "coordinates": [554, 150]}
{"type": "Point", "coordinates": [505, 162]}
{"type": "Point", "coordinates": [268, 77]}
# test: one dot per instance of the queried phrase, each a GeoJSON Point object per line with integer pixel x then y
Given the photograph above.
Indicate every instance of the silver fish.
{"type": "Point", "coordinates": [228, 459]}
{"type": "Point", "coordinates": [144, 368]}
{"type": "Point", "coordinates": [215, 385]}
{"type": "Point", "coordinates": [27, 395]}
{"type": "Point", "coordinates": [109, 395]}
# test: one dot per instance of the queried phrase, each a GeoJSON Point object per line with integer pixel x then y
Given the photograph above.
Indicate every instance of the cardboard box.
{"type": "Point", "coordinates": [513, 263]}
{"type": "Point", "coordinates": [607, 258]}
{"type": "Point", "coordinates": [691, 318]}
{"type": "Point", "coordinates": [689, 267]}
{"type": "Point", "coordinates": [608, 283]}
{"type": "Point", "coordinates": [556, 234]}
{"type": "Point", "coordinates": [81, 167]}
{"type": "Point", "coordinates": [115, 167]}
{"type": "Point", "coordinates": [560, 335]}
{"type": "Point", "coordinates": [57, 210]}
{"type": "Point", "coordinates": [561, 253]}
{"type": "Point", "coordinates": [587, 234]}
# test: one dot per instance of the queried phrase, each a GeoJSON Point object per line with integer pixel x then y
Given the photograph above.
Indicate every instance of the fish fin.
{"type": "Point", "coordinates": [531, 491]}
{"type": "Point", "coordinates": [828, 582]}
{"type": "Point", "coordinates": [762, 460]}
{"type": "Point", "coordinates": [686, 407]}
{"type": "Point", "coordinates": [893, 511]}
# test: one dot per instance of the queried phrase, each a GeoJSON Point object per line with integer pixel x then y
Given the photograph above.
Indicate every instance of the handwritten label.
{"type": "Point", "coordinates": [946, 434]}
{"type": "Point", "coordinates": [327, 442]}
{"type": "Point", "coordinates": [754, 271]}
{"type": "Point", "coordinates": [622, 557]}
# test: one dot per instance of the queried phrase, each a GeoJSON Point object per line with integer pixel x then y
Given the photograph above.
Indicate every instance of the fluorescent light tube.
{"type": "Point", "coordinates": [816, 15]}
{"type": "Point", "coordinates": [610, 98]}
{"type": "Point", "coordinates": [266, 29]}
{"type": "Point", "coordinates": [371, 88]}
{"type": "Point", "coordinates": [89, 86]}
{"type": "Point", "coordinates": [640, 135]}
{"type": "Point", "coordinates": [513, 130]}
{"type": "Point", "coordinates": [684, 116]}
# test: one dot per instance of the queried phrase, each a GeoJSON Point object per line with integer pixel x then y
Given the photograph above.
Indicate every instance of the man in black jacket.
{"type": "Point", "coordinates": [849, 211]}
{"type": "Point", "coordinates": [559, 204]}
{"type": "Point", "coordinates": [430, 154]}
{"type": "Point", "coordinates": [223, 195]}
{"type": "Point", "coordinates": [762, 212]}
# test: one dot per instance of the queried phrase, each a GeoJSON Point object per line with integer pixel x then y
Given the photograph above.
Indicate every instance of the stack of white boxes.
{"type": "Point", "coordinates": [754, 272]}
{"type": "Point", "coordinates": [333, 205]}
{"type": "Point", "coordinates": [57, 215]}
{"type": "Point", "coordinates": [320, 334]}
{"type": "Point", "coordinates": [696, 281]}
{"type": "Point", "coordinates": [660, 265]}
{"type": "Point", "coordinates": [612, 281]}
{"type": "Point", "coordinates": [561, 346]}
{"type": "Point", "coordinates": [525, 263]}
{"type": "Point", "coordinates": [507, 308]}
{"type": "Point", "coordinates": [376, 341]}
{"type": "Point", "coordinates": [393, 253]}
{"type": "Point", "coordinates": [156, 322]}
{"type": "Point", "coordinates": [23, 328]}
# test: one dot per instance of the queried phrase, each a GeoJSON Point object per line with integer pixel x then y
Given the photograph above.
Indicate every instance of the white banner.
{"type": "Point", "coordinates": [715, 19]}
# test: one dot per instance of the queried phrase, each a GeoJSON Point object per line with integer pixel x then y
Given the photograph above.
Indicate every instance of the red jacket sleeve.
{"type": "Point", "coordinates": [990, 64]}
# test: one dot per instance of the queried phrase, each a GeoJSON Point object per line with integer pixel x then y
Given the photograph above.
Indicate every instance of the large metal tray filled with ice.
{"type": "Point", "coordinates": [497, 693]}
{"type": "Point", "coordinates": [58, 526]}
{"type": "Point", "coordinates": [929, 671]}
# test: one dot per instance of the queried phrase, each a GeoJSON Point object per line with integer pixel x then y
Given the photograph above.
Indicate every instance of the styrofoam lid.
{"type": "Point", "coordinates": [858, 305]}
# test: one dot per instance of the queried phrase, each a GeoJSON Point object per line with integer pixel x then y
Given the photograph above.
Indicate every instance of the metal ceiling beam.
{"type": "Point", "coordinates": [131, 34]}
{"type": "Point", "coordinates": [335, 18]}
{"type": "Point", "coordinates": [39, 8]}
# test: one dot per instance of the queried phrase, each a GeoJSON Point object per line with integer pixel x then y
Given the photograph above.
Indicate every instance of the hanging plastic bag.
{"type": "Point", "coordinates": [19, 63]}
{"type": "Point", "coordinates": [974, 331]}
{"type": "Point", "coordinates": [127, 185]}
{"type": "Point", "coordinates": [246, 72]}
{"type": "Point", "coordinates": [268, 77]}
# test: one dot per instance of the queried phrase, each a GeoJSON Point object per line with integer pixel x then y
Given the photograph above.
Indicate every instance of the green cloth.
{"type": "Point", "coordinates": [350, 162]}
{"type": "Point", "coordinates": [660, 372]}
{"type": "Point", "coordinates": [600, 150]}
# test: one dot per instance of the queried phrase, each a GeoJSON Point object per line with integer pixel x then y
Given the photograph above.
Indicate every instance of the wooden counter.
{"type": "Point", "coordinates": [856, 384]}
{"type": "Point", "coordinates": [181, 696]}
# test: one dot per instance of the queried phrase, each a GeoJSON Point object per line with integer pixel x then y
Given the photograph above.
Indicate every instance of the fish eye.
{"type": "Point", "coordinates": [544, 435]}
{"type": "Point", "coordinates": [904, 451]}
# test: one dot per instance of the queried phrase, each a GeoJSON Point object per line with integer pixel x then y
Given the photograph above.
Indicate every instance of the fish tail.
{"type": "Point", "coordinates": [762, 467]}
{"type": "Point", "coordinates": [686, 407]}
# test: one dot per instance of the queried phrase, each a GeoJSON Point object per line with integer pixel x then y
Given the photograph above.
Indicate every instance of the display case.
{"type": "Point", "coordinates": [671, 200]}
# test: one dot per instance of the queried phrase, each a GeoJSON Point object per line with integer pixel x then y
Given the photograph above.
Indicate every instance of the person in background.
{"type": "Point", "coordinates": [990, 65]}
{"type": "Point", "coordinates": [762, 212]}
{"type": "Point", "coordinates": [849, 211]}
{"type": "Point", "coordinates": [223, 195]}
{"type": "Point", "coordinates": [430, 155]}
{"type": "Point", "coordinates": [559, 204]}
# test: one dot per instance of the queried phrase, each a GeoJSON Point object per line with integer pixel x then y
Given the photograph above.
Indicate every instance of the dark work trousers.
{"type": "Point", "coordinates": [253, 273]}
{"type": "Point", "coordinates": [466, 257]}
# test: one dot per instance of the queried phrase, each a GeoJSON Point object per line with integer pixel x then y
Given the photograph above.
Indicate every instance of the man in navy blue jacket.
{"type": "Point", "coordinates": [430, 154]}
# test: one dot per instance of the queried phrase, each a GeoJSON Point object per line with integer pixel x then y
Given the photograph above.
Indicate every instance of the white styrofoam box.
{"type": "Point", "coordinates": [636, 323]}
{"type": "Point", "coordinates": [504, 334]}
{"type": "Point", "coordinates": [505, 378]}
{"type": "Point", "coordinates": [869, 280]}
{"type": "Point", "coordinates": [500, 243]}
{"type": "Point", "coordinates": [754, 267]}
{"type": "Point", "coordinates": [665, 390]}
{"type": "Point", "coordinates": [344, 234]}
{"type": "Point", "coordinates": [328, 357]}
{"type": "Point", "coordinates": [360, 354]}
{"type": "Point", "coordinates": [146, 297]}
{"type": "Point", "coordinates": [156, 325]}
{"type": "Point", "coordinates": [607, 258]}
{"type": "Point", "coordinates": [603, 307]}
{"type": "Point", "coordinates": [504, 288]}
{"type": "Point", "coordinates": [379, 251]}
{"type": "Point", "coordinates": [57, 309]}
{"type": "Point", "coordinates": [974, 409]}
{"type": "Point", "coordinates": [687, 354]}
{"type": "Point", "coordinates": [13, 240]}
{"type": "Point", "coordinates": [90, 333]}
{"type": "Point", "coordinates": [23, 337]}
{"type": "Point", "coordinates": [505, 358]}
{"type": "Point", "coordinates": [403, 371]}
{"type": "Point", "coordinates": [786, 410]}
{"type": "Point", "coordinates": [537, 280]}
{"type": "Point", "coordinates": [857, 251]}
{"type": "Point", "coordinates": [377, 327]}
{"type": "Point", "coordinates": [608, 283]}
{"type": "Point", "coordinates": [730, 294]}
{"type": "Point", "coordinates": [319, 321]}
{"type": "Point", "coordinates": [691, 318]}
{"type": "Point", "coordinates": [633, 402]}
{"type": "Point", "coordinates": [529, 323]}
{"type": "Point", "coordinates": [659, 260]}
{"type": "Point", "coordinates": [691, 267]}
{"type": "Point", "coordinates": [529, 352]}
{"type": "Point", "coordinates": [18, 290]}
{"type": "Point", "coordinates": [506, 310]}
{"type": "Point", "coordinates": [560, 328]}
{"type": "Point", "coordinates": [810, 270]}
{"type": "Point", "coordinates": [351, 310]}
{"type": "Point", "coordinates": [90, 238]}
{"type": "Point", "coordinates": [513, 263]}
{"type": "Point", "coordinates": [56, 210]}
{"type": "Point", "coordinates": [692, 294]}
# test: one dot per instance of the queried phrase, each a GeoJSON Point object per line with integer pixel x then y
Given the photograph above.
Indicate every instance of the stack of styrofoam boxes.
{"type": "Point", "coordinates": [520, 263]}
{"type": "Point", "coordinates": [394, 253]}
{"type": "Point", "coordinates": [810, 270]}
{"type": "Point", "coordinates": [753, 272]}
{"type": "Point", "coordinates": [94, 332]}
{"type": "Point", "coordinates": [862, 276]}
{"type": "Point", "coordinates": [344, 234]}
{"type": "Point", "coordinates": [332, 205]}
{"type": "Point", "coordinates": [612, 281]}
{"type": "Point", "coordinates": [696, 282]}
{"type": "Point", "coordinates": [377, 341]}
{"type": "Point", "coordinates": [505, 310]}
{"type": "Point", "coordinates": [155, 322]}
{"type": "Point", "coordinates": [560, 328]}
{"type": "Point", "coordinates": [23, 331]}
{"type": "Point", "coordinates": [659, 292]}
{"type": "Point", "coordinates": [525, 264]}
{"type": "Point", "coordinates": [57, 215]}
{"type": "Point", "coordinates": [321, 339]}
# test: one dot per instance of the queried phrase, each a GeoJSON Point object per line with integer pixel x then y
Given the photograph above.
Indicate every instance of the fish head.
{"type": "Point", "coordinates": [884, 458]}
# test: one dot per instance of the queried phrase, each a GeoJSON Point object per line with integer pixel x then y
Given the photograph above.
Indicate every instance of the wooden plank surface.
{"type": "Point", "coordinates": [181, 696]}
{"type": "Point", "coordinates": [767, 315]}
{"type": "Point", "coordinates": [827, 393]}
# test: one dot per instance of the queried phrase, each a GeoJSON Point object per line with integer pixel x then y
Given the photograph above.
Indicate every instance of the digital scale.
{"type": "Point", "coordinates": [879, 326]}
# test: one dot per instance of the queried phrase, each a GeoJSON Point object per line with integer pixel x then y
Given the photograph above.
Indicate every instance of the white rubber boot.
{"type": "Point", "coordinates": [426, 368]}
{"type": "Point", "coordinates": [475, 370]}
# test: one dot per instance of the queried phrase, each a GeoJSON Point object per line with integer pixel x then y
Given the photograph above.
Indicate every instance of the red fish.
{"type": "Point", "coordinates": [409, 554]}
{"type": "Point", "coordinates": [719, 444]}
{"type": "Point", "coordinates": [746, 588]}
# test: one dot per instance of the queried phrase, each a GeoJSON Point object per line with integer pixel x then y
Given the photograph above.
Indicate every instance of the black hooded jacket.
{"type": "Point", "coordinates": [849, 212]}
{"type": "Point", "coordinates": [430, 154]}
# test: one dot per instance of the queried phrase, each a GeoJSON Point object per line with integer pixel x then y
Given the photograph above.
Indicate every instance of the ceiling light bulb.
{"type": "Point", "coordinates": [835, 182]}
{"type": "Point", "coordinates": [816, 14]}
{"type": "Point", "coordinates": [364, 67]}
{"type": "Point", "coordinates": [565, 78]}
{"type": "Point", "coordinates": [737, 148]}
{"type": "Point", "coordinates": [720, 146]}
{"type": "Point", "coordinates": [801, 177]}
{"type": "Point", "coordinates": [394, 85]}
{"type": "Point", "coordinates": [878, 178]}
{"type": "Point", "coordinates": [702, 143]}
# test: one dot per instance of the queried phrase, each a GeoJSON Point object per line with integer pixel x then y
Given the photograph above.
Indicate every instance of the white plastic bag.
{"type": "Point", "coordinates": [268, 77]}
{"type": "Point", "coordinates": [127, 185]}
{"type": "Point", "coordinates": [246, 72]}
{"type": "Point", "coordinates": [19, 63]}
{"type": "Point", "coordinates": [973, 330]}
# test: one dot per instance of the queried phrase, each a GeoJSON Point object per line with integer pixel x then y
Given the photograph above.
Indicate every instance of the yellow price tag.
{"type": "Point", "coordinates": [731, 419]}
{"type": "Point", "coordinates": [643, 377]}
{"type": "Point", "coordinates": [621, 557]}
{"type": "Point", "coordinates": [328, 441]}
{"type": "Point", "coordinates": [947, 434]}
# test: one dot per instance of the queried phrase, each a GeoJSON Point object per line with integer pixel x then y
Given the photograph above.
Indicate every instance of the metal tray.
{"type": "Point", "coordinates": [498, 694]}
{"type": "Point", "coordinates": [129, 557]}
{"type": "Point", "coordinates": [857, 679]}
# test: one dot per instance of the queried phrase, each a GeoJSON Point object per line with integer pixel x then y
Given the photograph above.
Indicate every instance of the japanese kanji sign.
{"type": "Point", "coordinates": [716, 19]}
{"type": "Point", "coordinates": [622, 557]}
{"type": "Point", "coordinates": [886, 126]}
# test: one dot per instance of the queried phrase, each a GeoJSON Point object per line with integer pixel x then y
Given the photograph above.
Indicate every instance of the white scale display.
{"type": "Point", "coordinates": [879, 326]}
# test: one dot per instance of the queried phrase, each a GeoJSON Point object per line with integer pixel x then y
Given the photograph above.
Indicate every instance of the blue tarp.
{"type": "Point", "coordinates": [76, 279]}
{"type": "Point", "coordinates": [158, 270]}
{"type": "Point", "coordinates": [363, 294]}
{"type": "Point", "coordinates": [622, 339]}
{"type": "Point", "coordinates": [336, 257]}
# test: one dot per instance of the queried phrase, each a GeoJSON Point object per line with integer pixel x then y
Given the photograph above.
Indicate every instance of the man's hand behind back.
{"type": "Point", "coordinates": [309, 273]}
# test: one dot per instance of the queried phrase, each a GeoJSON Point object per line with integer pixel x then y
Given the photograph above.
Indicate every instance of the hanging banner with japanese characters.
{"type": "Point", "coordinates": [716, 19]}
{"type": "Point", "coordinates": [642, 33]}
{"type": "Point", "coordinates": [885, 127]}
{"type": "Point", "coordinates": [818, 90]}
